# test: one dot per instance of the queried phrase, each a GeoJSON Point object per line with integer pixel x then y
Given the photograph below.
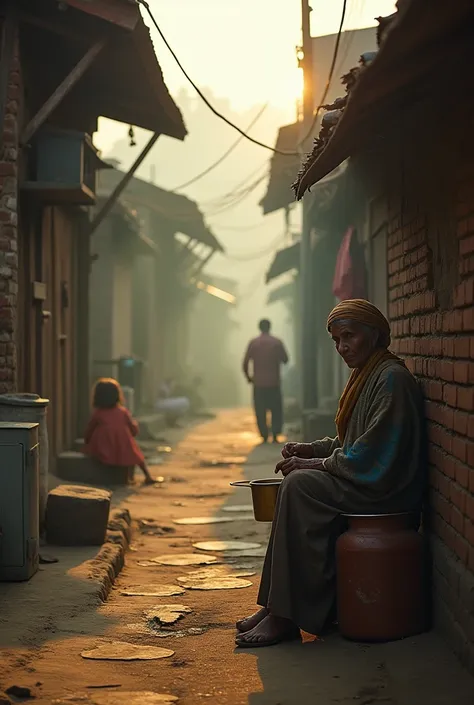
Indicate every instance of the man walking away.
{"type": "Point", "coordinates": [267, 353]}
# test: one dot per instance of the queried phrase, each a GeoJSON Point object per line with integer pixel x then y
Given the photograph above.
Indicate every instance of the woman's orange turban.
{"type": "Point", "coordinates": [364, 312]}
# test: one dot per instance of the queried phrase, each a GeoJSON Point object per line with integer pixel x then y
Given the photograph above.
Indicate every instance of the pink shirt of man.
{"type": "Point", "coordinates": [267, 354]}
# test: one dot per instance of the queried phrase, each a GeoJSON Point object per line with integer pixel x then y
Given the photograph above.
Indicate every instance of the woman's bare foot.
{"type": "Point", "coordinates": [244, 625]}
{"type": "Point", "coordinates": [149, 480]}
{"type": "Point", "coordinates": [270, 631]}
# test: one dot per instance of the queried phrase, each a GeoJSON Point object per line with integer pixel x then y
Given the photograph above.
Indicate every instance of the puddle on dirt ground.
{"type": "Point", "coordinates": [219, 571]}
{"type": "Point", "coordinates": [226, 546]}
{"type": "Point", "coordinates": [224, 582]}
{"type": "Point", "coordinates": [123, 651]}
{"type": "Point", "coordinates": [118, 697]}
{"type": "Point", "coordinates": [198, 521]}
{"type": "Point", "coordinates": [181, 559]}
{"type": "Point", "coordinates": [153, 591]}
{"type": "Point", "coordinates": [238, 508]}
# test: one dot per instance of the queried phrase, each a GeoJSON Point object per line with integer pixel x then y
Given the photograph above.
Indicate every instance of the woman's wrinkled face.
{"type": "Point", "coordinates": [354, 342]}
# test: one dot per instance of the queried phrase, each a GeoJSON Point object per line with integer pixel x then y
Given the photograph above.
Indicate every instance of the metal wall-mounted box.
{"type": "Point", "coordinates": [19, 500]}
{"type": "Point", "coordinates": [62, 168]}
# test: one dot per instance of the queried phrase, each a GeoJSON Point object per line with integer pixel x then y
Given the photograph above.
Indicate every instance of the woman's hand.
{"type": "Point", "coordinates": [300, 450]}
{"type": "Point", "coordinates": [287, 465]}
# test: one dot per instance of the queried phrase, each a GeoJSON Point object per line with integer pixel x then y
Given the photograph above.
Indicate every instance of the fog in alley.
{"type": "Point", "coordinates": [241, 66]}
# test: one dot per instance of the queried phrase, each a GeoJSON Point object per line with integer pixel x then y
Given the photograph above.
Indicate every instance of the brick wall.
{"type": "Point", "coordinates": [9, 234]}
{"type": "Point", "coordinates": [431, 308]}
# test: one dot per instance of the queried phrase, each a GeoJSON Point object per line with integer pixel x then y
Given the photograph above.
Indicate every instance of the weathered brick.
{"type": "Point", "coordinates": [450, 394]}
{"type": "Point", "coordinates": [465, 398]}
{"type": "Point", "coordinates": [469, 531]}
{"type": "Point", "coordinates": [461, 372]}
{"type": "Point", "coordinates": [462, 475]}
{"type": "Point", "coordinates": [459, 448]}
{"type": "Point", "coordinates": [461, 549]}
{"type": "Point", "coordinates": [8, 233]}
{"type": "Point", "coordinates": [469, 509]}
{"type": "Point", "coordinates": [460, 422]}
{"type": "Point", "coordinates": [458, 497]}
{"type": "Point", "coordinates": [435, 335]}
{"type": "Point", "coordinates": [468, 319]}
{"type": "Point", "coordinates": [462, 347]}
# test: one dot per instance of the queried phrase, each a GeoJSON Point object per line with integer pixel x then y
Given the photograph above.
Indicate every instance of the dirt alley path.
{"type": "Point", "coordinates": [205, 667]}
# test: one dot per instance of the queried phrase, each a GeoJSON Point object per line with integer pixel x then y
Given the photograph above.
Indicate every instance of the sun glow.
{"type": "Point", "coordinates": [290, 88]}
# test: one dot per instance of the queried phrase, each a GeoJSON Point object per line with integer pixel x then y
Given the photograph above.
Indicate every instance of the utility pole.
{"type": "Point", "coordinates": [308, 347]}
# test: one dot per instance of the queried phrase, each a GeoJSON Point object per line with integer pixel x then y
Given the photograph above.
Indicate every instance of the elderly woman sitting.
{"type": "Point", "coordinates": [374, 465]}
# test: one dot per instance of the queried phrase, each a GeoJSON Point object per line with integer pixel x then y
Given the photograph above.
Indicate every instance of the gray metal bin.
{"type": "Point", "coordinates": [19, 500]}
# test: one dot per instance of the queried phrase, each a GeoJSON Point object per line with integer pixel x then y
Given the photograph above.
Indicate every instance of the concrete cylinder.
{"type": "Point", "coordinates": [31, 408]}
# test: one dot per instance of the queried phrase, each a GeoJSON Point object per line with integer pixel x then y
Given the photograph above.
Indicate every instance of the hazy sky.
{"type": "Point", "coordinates": [243, 49]}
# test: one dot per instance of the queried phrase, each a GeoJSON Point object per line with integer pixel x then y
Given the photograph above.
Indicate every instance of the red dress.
{"type": "Point", "coordinates": [109, 438]}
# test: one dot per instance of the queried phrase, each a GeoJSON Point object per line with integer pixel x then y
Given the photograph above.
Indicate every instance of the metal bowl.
{"type": "Point", "coordinates": [264, 496]}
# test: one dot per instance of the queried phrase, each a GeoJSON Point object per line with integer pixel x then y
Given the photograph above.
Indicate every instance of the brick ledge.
{"type": "Point", "coordinates": [108, 564]}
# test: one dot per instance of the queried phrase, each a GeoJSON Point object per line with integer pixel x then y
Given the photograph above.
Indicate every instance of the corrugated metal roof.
{"type": "Point", "coordinates": [284, 261]}
{"type": "Point", "coordinates": [125, 82]}
{"type": "Point", "coordinates": [130, 86]}
{"type": "Point", "coordinates": [284, 292]}
{"type": "Point", "coordinates": [179, 212]}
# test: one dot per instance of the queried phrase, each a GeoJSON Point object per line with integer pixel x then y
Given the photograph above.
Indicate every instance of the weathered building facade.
{"type": "Point", "coordinates": [56, 66]}
{"type": "Point", "coordinates": [143, 281]}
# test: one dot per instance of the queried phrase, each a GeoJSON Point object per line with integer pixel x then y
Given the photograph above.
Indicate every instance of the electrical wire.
{"type": "Point", "coordinates": [252, 285]}
{"type": "Point", "coordinates": [315, 118]}
{"type": "Point", "coordinates": [229, 122]}
{"type": "Point", "coordinates": [238, 189]}
{"type": "Point", "coordinates": [242, 133]}
{"type": "Point", "coordinates": [231, 196]}
{"type": "Point", "coordinates": [355, 10]}
{"type": "Point", "coordinates": [224, 156]}
{"type": "Point", "coordinates": [258, 254]}
{"type": "Point", "coordinates": [201, 94]}
{"type": "Point", "coordinates": [243, 228]}
{"type": "Point", "coordinates": [330, 76]}
{"type": "Point", "coordinates": [239, 199]}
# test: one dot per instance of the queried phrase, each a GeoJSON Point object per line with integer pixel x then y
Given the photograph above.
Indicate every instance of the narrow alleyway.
{"type": "Point", "coordinates": [205, 667]}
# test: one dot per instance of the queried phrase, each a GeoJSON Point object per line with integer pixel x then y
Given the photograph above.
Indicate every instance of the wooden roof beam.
{"type": "Point", "coordinates": [62, 90]}
{"type": "Point", "coordinates": [121, 186]}
{"type": "Point", "coordinates": [203, 263]}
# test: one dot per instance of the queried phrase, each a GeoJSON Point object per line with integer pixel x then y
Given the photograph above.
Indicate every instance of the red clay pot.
{"type": "Point", "coordinates": [380, 586]}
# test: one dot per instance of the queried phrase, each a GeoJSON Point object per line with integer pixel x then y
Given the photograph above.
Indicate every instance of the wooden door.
{"type": "Point", "coordinates": [46, 358]}
{"type": "Point", "coordinates": [57, 336]}
{"type": "Point", "coordinates": [66, 301]}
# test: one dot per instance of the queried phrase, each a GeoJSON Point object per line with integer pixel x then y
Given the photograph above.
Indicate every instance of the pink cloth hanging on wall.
{"type": "Point", "coordinates": [350, 281]}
